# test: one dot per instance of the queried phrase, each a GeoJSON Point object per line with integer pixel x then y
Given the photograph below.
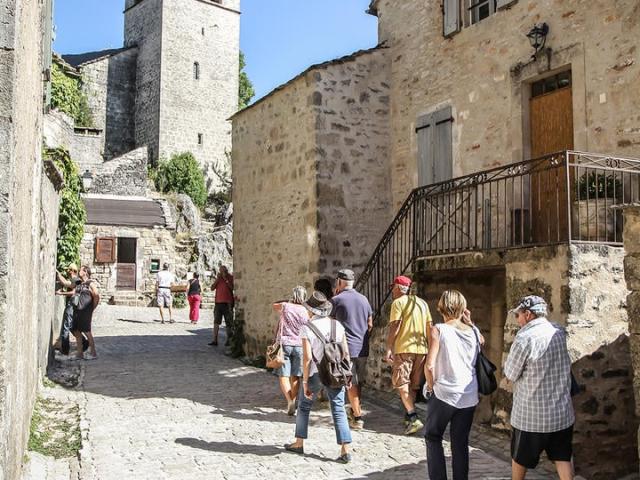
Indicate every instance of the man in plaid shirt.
{"type": "Point", "coordinates": [540, 369]}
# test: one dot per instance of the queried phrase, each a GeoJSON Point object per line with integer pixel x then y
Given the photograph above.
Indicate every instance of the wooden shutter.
{"type": "Point", "coordinates": [505, 3]}
{"type": "Point", "coordinates": [435, 155]}
{"type": "Point", "coordinates": [451, 14]}
{"type": "Point", "coordinates": [105, 250]}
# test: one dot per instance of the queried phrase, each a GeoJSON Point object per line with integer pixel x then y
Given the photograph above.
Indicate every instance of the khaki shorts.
{"type": "Point", "coordinates": [164, 298]}
{"type": "Point", "coordinates": [408, 368]}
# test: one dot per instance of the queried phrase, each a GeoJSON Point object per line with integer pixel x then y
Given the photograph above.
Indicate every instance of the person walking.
{"type": "Point", "coordinates": [293, 316]}
{"type": "Point", "coordinates": [542, 415]}
{"type": "Point", "coordinates": [223, 286]}
{"type": "Point", "coordinates": [407, 346]}
{"type": "Point", "coordinates": [86, 301]}
{"type": "Point", "coordinates": [164, 280]}
{"type": "Point", "coordinates": [320, 325]}
{"type": "Point", "coordinates": [353, 311]}
{"type": "Point", "coordinates": [194, 298]}
{"type": "Point", "coordinates": [452, 387]}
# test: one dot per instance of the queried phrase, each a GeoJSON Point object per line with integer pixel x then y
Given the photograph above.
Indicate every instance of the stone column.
{"type": "Point", "coordinates": [632, 276]}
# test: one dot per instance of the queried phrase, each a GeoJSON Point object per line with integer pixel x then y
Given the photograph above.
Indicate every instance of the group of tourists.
{"type": "Point", "coordinates": [224, 299]}
{"type": "Point", "coordinates": [81, 299]}
{"type": "Point", "coordinates": [322, 346]}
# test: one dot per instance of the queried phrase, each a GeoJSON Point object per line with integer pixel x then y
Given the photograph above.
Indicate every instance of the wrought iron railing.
{"type": "Point", "coordinates": [559, 198]}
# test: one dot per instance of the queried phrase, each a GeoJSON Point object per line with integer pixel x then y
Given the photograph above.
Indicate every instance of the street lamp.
{"type": "Point", "coordinates": [538, 37]}
{"type": "Point", "coordinates": [87, 180]}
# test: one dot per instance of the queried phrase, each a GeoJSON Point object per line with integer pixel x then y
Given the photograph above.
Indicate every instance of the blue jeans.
{"type": "Point", "coordinates": [336, 399]}
{"type": "Point", "coordinates": [292, 362]}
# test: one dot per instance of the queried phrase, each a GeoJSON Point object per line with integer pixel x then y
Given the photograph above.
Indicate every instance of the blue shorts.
{"type": "Point", "coordinates": [292, 362]}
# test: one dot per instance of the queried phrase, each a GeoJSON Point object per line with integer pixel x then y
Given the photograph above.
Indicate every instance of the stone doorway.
{"type": "Point", "coordinates": [484, 290]}
{"type": "Point", "coordinates": [126, 264]}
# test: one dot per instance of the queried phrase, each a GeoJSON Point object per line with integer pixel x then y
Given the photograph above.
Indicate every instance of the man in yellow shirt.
{"type": "Point", "coordinates": [409, 326]}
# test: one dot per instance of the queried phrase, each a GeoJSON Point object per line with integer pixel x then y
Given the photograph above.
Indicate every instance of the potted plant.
{"type": "Point", "coordinates": [596, 194]}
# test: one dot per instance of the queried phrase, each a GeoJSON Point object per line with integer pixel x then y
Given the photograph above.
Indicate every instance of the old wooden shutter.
{"type": "Point", "coordinates": [435, 155]}
{"type": "Point", "coordinates": [105, 250]}
{"type": "Point", "coordinates": [505, 3]}
{"type": "Point", "coordinates": [451, 11]}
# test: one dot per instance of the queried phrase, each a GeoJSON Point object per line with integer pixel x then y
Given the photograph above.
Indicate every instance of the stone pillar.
{"type": "Point", "coordinates": [632, 276]}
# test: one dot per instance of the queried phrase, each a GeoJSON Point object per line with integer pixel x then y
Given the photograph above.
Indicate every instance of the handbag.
{"type": "Point", "coordinates": [275, 352]}
{"type": "Point", "coordinates": [485, 371]}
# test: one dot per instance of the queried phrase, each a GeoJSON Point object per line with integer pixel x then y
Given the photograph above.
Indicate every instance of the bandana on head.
{"type": "Point", "coordinates": [533, 303]}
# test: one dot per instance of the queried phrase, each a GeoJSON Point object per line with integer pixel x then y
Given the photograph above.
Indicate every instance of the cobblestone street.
{"type": "Point", "coordinates": [159, 403]}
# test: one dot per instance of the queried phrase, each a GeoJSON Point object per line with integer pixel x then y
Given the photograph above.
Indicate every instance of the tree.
{"type": "Point", "coordinates": [246, 91]}
{"type": "Point", "coordinates": [182, 174]}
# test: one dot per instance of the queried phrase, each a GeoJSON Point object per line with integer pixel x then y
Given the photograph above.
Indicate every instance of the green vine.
{"type": "Point", "coordinates": [72, 215]}
{"type": "Point", "coordinates": [68, 97]}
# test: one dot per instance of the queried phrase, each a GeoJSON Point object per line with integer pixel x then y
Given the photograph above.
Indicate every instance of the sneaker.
{"type": "Point", "coordinates": [213, 344]}
{"type": "Point", "coordinates": [291, 408]}
{"type": "Point", "coordinates": [344, 458]}
{"type": "Point", "coordinates": [414, 426]}
{"type": "Point", "coordinates": [356, 423]}
{"type": "Point", "coordinates": [91, 357]}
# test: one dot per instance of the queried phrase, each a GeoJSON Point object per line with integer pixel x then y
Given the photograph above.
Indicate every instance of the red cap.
{"type": "Point", "coordinates": [402, 281]}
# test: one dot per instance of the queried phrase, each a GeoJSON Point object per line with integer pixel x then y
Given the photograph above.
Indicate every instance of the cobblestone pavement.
{"type": "Point", "coordinates": [159, 403]}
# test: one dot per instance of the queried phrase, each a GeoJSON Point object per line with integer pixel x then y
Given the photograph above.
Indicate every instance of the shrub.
{"type": "Point", "coordinates": [182, 174]}
{"type": "Point", "coordinates": [68, 97]}
{"type": "Point", "coordinates": [72, 214]}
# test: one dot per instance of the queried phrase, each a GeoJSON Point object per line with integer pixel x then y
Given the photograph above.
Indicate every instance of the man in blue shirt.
{"type": "Point", "coordinates": [353, 311]}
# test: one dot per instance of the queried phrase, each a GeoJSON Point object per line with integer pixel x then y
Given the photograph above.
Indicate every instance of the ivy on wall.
{"type": "Point", "coordinates": [68, 97]}
{"type": "Point", "coordinates": [181, 174]}
{"type": "Point", "coordinates": [72, 211]}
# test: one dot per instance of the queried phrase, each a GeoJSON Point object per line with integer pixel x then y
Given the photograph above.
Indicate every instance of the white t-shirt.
{"type": "Point", "coordinates": [324, 325]}
{"type": "Point", "coordinates": [166, 278]}
{"type": "Point", "coordinates": [454, 371]}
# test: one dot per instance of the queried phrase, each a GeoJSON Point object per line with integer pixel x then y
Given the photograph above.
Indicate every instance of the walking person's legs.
{"type": "Point", "coordinates": [565, 470]}
{"type": "Point", "coordinates": [92, 344]}
{"type": "Point", "coordinates": [302, 417]}
{"type": "Point", "coordinates": [461, 422]}
{"type": "Point", "coordinates": [217, 320]}
{"type": "Point", "coordinates": [78, 335]}
{"type": "Point", "coordinates": [518, 472]}
{"type": "Point", "coordinates": [340, 422]}
{"type": "Point", "coordinates": [228, 322]}
{"type": "Point", "coordinates": [161, 313]}
{"type": "Point", "coordinates": [65, 329]}
{"type": "Point", "coordinates": [438, 416]}
{"type": "Point", "coordinates": [196, 308]}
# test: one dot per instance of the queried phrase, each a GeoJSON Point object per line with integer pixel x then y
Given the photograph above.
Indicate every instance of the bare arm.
{"type": "Point", "coordinates": [394, 327]}
{"type": "Point", "coordinates": [277, 307]}
{"type": "Point", "coordinates": [94, 295]}
{"type": "Point", "coordinates": [434, 342]}
{"type": "Point", "coordinates": [306, 366]}
{"type": "Point", "coordinates": [63, 281]}
{"type": "Point", "coordinates": [370, 323]}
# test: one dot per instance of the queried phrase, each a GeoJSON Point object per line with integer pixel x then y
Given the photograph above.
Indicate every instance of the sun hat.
{"type": "Point", "coordinates": [318, 304]}
{"type": "Point", "coordinates": [402, 281]}
{"type": "Point", "coordinates": [533, 303]}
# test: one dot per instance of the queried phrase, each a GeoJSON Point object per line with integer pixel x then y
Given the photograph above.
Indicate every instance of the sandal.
{"type": "Point", "coordinates": [290, 448]}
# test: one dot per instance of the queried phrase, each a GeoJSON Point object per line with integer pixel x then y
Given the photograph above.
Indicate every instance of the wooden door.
{"type": "Point", "coordinates": [551, 123]}
{"type": "Point", "coordinates": [126, 266]}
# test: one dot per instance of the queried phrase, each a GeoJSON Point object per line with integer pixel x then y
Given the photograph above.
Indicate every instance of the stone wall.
{"type": "Point", "coordinates": [110, 85]}
{"type": "Point", "coordinates": [275, 205]}
{"type": "Point", "coordinates": [632, 277]}
{"type": "Point", "coordinates": [143, 28]}
{"type": "Point", "coordinates": [85, 149]}
{"type": "Point", "coordinates": [28, 204]}
{"type": "Point", "coordinates": [352, 135]}
{"type": "Point", "coordinates": [202, 32]}
{"type": "Point", "coordinates": [472, 73]}
{"type": "Point", "coordinates": [125, 175]}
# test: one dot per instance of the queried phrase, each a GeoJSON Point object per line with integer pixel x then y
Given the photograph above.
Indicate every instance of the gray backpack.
{"type": "Point", "coordinates": [334, 367]}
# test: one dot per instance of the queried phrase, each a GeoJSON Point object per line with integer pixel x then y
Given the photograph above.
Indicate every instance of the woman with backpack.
{"type": "Point", "coordinates": [452, 387]}
{"type": "Point", "coordinates": [326, 363]}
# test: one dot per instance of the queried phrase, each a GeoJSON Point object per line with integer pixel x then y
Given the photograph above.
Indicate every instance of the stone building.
{"type": "Point", "coordinates": [489, 186]}
{"type": "Point", "coordinates": [171, 87]}
{"type": "Point", "coordinates": [29, 202]}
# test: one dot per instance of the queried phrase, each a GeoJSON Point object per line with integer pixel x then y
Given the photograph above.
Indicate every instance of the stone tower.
{"type": "Point", "coordinates": [187, 77]}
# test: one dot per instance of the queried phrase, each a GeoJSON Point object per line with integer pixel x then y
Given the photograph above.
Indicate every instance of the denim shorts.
{"type": "Point", "coordinates": [292, 362]}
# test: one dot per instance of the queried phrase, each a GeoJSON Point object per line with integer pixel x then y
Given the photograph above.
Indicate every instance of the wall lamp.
{"type": "Point", "coordinates": [538, 37]}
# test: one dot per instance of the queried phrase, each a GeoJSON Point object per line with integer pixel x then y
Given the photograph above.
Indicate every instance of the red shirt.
{"type": "Point", "coordinates": [224, 289]}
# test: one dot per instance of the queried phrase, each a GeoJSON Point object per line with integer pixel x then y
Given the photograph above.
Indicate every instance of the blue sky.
{"type": "Point", "coordinates": [280, 38]}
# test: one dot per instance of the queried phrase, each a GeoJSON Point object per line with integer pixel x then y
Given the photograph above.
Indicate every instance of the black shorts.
{"type": "Point", "coordinates": [220, 311]}
{"type": "Point", "coordinates": [526, 447]}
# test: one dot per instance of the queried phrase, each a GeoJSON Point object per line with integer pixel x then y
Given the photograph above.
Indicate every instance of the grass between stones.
{"type": "Point", "coordinates": [55, 429]}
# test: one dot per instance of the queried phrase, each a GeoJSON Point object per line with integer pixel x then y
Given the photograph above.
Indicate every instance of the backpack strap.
{"type": "Point", "coordinates": [334, 330]}
{"type": "Point", "coordinates": [317, 332]}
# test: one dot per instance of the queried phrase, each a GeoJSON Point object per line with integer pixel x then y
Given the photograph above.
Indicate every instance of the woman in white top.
{"type": "Point", "coordinates": [452, 387]}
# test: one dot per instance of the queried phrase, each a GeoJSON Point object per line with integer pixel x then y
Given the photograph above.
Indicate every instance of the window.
{"type": "Point", "coordinates": [196, 70]}
{"type": "Point", "coordinates": [481, 9]}
{"type": "Point", "coordinates": [435, 147]}
{"type": "Point", "coordinates": [200, 139]}
{"type": "Point", "coordinates": [155, 265]}
{"type": "Point", "coordinates": [105, 251]}
{"type": "Point", "coordinates": [550, 84]}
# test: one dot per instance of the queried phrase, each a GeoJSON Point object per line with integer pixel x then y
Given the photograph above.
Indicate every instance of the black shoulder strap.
{"type": "Point", "coordinates": [317, 332]}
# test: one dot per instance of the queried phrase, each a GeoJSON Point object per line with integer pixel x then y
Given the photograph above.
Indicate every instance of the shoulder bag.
{"type": "Point", "coordinates": [485, 371]}
{"type": "Point", "coordinates": [275, 352]}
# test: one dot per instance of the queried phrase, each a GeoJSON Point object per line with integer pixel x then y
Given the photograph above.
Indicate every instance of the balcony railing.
{"type": "Point", "coordinates": [564, 197]}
